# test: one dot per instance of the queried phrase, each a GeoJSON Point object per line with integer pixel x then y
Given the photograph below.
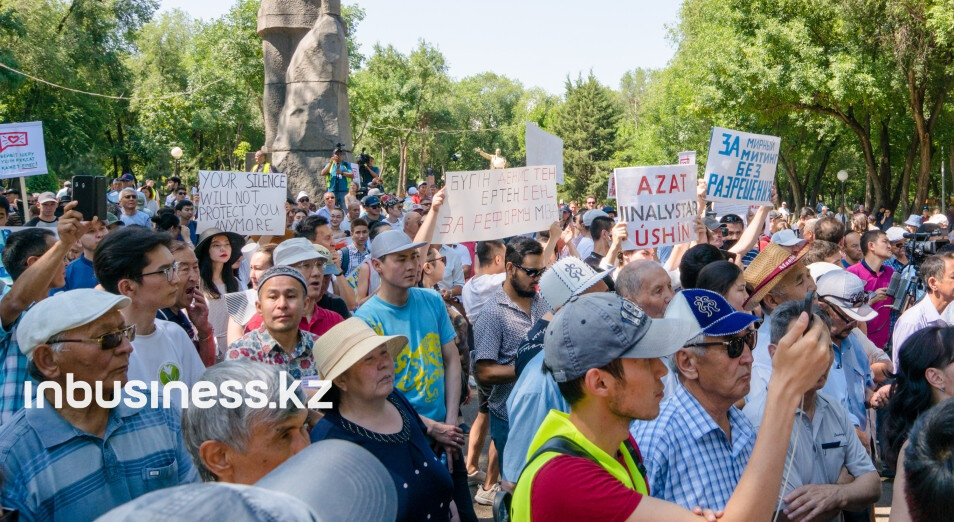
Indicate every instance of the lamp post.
{"type": "Point", "coordinates": [176, 153]}
{"type": "Point", "coordinates": [843, 177]}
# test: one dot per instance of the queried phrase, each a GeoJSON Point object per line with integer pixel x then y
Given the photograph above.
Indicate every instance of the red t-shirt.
{"type": "Point", "coordinates": [576, 488]}
{"type": "Point", "coordinates": [320, 322]}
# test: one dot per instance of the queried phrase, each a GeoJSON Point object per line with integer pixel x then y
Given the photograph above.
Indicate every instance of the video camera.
{"type": "Point", "coordinates": [922, 245]}
{"type": "Point", "coordinates": [363, 158]}
{"type": "Point", "coordinates": [906, 286]}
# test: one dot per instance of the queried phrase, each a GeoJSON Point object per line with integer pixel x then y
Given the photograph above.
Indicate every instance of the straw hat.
{"type": "Point", "coordinates": [767, 269]}
{"type": "Point", "coordinates": [347, 343]}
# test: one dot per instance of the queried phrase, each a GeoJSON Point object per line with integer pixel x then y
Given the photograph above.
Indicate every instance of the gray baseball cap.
{"type": "Point", "coordinates": [592, 330]}
{"type": "Point", "coordinates": [391, 242]}
{"type": "Point", "coordinates": [590, 215]}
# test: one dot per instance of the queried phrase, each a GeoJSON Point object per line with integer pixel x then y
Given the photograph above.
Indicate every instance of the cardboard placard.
{"type": "Point", "coordinates": [658, 204]}
{"type": "Point", "coordinates": [22, 152]}
{"type": "Point", "coordinates": [247, 203]}
{"type": "Point", "coordinates": [494, 204]}
{"type": "Point", "coordinates": [544, 148]}
{"type": "Point", "coordinates": [741, 167]}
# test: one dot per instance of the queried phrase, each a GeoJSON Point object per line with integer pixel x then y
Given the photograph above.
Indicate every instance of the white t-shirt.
{"type": "Point", "coordinates": [477, 292]}
{"type": "Point", "coordinates": [167, 354]}
{"type": "Point", "coordinates": [585, 247]}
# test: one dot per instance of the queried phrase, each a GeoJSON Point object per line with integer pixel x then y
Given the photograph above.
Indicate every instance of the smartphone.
{"type": "Point", "coordinates": [809, 306]}
{"type": "Point", "coordinates": [90, 193]}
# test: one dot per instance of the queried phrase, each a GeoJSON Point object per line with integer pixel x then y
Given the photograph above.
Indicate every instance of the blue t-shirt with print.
{"type": "Point", "coordinates": [419, 368]}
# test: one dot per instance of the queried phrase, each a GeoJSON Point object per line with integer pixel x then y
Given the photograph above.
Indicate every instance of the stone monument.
{"type": "Point", "coordinates": [306, 106]}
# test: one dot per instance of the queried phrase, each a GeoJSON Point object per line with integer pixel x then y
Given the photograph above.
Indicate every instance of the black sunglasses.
{"type": "Point", "coordinates": [731, 218]}
{"type": "Point", "coordinates": [735, 346]}
{"type": "Point", "coordinates": [106, 341]}
{"type": "Point", "coordinates": [531, 272]}
{"type": "Point", "coordinates": [375, 207]}
{"type": "Point", "coordinates": [852, 301]}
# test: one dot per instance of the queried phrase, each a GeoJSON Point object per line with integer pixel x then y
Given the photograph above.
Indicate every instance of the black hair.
{"type": "Point", "coordinates": [829, 229]}
{"type": "Point", "coordinates": [309, 225]}
{"type": "Point", "coordinates": [718, 276]}
{"type": "Point", "coordinates": [123, 255]}
{"type": "Point", "coordinates": [598, 225]}
{"type": "Point", "coordinates": [291, 202]}
{"type": "Point", "coordinates": [175, 179]}
{"type": "Point", "coordinates": [870, 236]}
{"type": "Point", "coordinates": [694, 260]}
{"type": "Point", "coordinates": [165, 221]}
{"type": "Point", "coordinates": [929, 465]}
{"type": "Point", "coordinates": [5, 205]}
{"type": "Point", "coordinates": [486, 250]}
{"type": "Point", "coordinates": [519, 247]}
{"type": "Point", "coordinates": [376, 228]}
{"type": "Point", "coordinates": [931, 347]}
{"type": "Point", "coordinates": [207, 275]}
{"type": "Point", "coordinates": [572, 390]}
{"type": "Point", "coordinates": [184, 203]}
{"type": "Point", "coordinates": [360, 222]}
{"type": "Point", "coordinates": [22, 245]}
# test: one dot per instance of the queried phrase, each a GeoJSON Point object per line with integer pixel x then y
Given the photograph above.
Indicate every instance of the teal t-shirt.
{"type": "Point", "coordinates": [419, 368]}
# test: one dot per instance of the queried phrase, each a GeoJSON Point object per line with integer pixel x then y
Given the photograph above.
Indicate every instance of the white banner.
{"type": "Point", "coordinates": [741, 167]}
{"type": "Point", "coordinates": [494, 204]}
{"type": "Point", "coordinates": [544, 148]}
{"type": "Point", "coordinates": [658, 204]}
{"type": "Point", "coordinates": [247, 203]}
{"type": "Point", "coordinates": [687, 157]}
{"type": "Point", "coordinates": [22, 152]}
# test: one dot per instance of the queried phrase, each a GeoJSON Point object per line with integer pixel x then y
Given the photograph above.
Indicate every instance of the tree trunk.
{"type": "Point", "coordinates": [791, 169]}
{"type": "Point", "coordinates": [902, 189]}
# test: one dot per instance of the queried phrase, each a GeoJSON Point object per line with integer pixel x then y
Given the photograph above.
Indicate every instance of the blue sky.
{"type": "Point", "coordinates": [537, 42]}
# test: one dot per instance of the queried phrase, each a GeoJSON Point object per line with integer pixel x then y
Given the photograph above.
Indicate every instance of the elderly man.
{"type": "Point", "coordinates": [506, 318]}
{"type": "Point", "coordinates": [697, 448]}
{"type": "Point", "coordinates": [63, 462]}
{"type": "Point", "coordinates": [261, 165]}
{"type": "Point", "coordinates": [329, 200]}
{"type": "Point", "coordinates": [937, 273]}
{"type": "Point", "coordinates": [282, 294]}
{"type": "Point", "coordinates": [647, 284]}
{"type": "Point", "coordinates": [130, 215]}
{"type": "Point", "coordinates": [817, 487]}
{"type": "Point", "coordinates": [354, 212]}
{"type": "Point", "coordinates": [190, 310]}
{"type": "Point", "coordinates": [241, 445]}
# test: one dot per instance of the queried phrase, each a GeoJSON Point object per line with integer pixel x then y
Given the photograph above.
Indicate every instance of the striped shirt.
{"type": "Point", "coordinates": [689, 460]}
{"type": "Point", "coordinates": [54, 471]}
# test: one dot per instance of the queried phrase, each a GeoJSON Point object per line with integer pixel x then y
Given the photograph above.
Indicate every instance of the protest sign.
{"type": "Point", "coordinates": [22, 152]}
{"type": "Point", "coordinates": [494, 204]}
{"type": "Point", "coordinates": [544, 148]}
{"type": "Point", "coordinates": [687, 157]}
{"type": "Point", "coordinates": [658, 204]}
{"type": "Point", "coordinates": [741, 167]}
{"type": "Point", "coordinates": [247, 203]}
{"type": "Point", "coordinates": [611, 186]}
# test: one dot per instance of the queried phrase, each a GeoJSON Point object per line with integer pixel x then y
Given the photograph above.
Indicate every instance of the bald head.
{"type": "Point", "coordinates": [647, 284]}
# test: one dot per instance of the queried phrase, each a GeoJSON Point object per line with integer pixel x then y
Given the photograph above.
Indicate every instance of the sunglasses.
{"type": "Point", "coordinates": [306, 200]}
{"type": "Point", "coordinates": [735, 346]}
{"type": "Point", "coordinates": [531, 272]}
{"type": "Point", "coordinates": [374, 207]}
{"type": "Point", "coordinates": [107, 341]}
{"type": "Point", "coordinates": [731, 218]}
{"type": "Point", "coordinates": [852, 301]}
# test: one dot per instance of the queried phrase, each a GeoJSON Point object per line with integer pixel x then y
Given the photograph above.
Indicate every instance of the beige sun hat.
{"type": "Point", "coordinates": [347, 343]}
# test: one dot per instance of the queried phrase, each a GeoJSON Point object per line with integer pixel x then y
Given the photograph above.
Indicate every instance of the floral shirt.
{"type": "Point", "coordinates": [259, 345]}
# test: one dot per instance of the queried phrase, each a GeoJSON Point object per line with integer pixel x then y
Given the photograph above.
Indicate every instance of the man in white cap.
{"type": "Point", "coordinates": [47, 217]}
{"type": "Point", "coordinates": [429, 368]}
{"type": "Point", "coordinates": [899, 257]}
{"type": "Point", "coordinates": [536, 393]}
{"type": "Point", "coordinates": [304, 201]}
{"type": "Point", "coordinates": [937, 272]}
{"type": "Point", "coordinates": [71, 460]}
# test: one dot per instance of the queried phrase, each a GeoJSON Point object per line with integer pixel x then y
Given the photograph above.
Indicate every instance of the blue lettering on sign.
{"type": "Point", "coordinates": [730, 143]}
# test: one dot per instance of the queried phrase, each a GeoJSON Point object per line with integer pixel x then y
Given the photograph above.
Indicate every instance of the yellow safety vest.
{"type": "Point", "coordinates": [558, 424]}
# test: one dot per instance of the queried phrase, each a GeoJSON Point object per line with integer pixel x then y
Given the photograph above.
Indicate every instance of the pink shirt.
{"type": "Point", "coordinates": [879, 328]}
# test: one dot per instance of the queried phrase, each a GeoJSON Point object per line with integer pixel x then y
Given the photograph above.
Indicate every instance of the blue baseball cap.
{"type": "Point", "coordinates": [709, 313]}
{"type": "Point", "coordinates": [370, 201]}
{"type": "Point", "coordinates": [609, 210]}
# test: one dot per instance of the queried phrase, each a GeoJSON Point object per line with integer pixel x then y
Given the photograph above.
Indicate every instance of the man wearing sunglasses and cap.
{"type": "Point", "coordinates": [63, 462]}
{"type": "Point", "coordinates": [699, 445]}
{"type": "Point", "coordinates": [604, 353]}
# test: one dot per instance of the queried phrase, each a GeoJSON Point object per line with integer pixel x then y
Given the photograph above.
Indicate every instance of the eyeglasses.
{"type": "Point", "coordinates": [442, 259]}
{"type": "Point", "coordinates": [107, 341]}
{"type": "Point", "coordinates": [531, 272]}
{"type": "Point", "coordinates": [735, 346]}
{"type": "Point", "coordinates": [170, 272]}
{"type": "Point", "coordinates": [306, 266]}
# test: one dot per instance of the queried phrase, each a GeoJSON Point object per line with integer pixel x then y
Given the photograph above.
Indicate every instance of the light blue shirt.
{"type": "Point", "coordinates": [689, 459]}
{"type": "Point", "coordinates": [139, 218]}
{"type": "Point", "coordinates": [419, 367]}
{"type": "Point", "coordinates": [532, 398]}
{"type": "Point", "coordinates": [848, 378]}
{"type": "Point", "coordinates": [55, 471]}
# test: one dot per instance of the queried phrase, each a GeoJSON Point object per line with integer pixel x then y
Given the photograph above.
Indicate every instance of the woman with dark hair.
{"type": "Point", "coordinates": [925, 377]}
{"type": "Point", "coordinates": [167, 222]}
{"type": "Point", "coordinates": [725, 279]}
{"type": "Point", "coordinates": [694, 260]}
{"type": "Point", "coordinates": [217, 251]}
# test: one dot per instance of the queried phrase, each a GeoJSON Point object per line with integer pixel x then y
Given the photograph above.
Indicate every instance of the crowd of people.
{"type": "Point", "coordinates": [759, 371]}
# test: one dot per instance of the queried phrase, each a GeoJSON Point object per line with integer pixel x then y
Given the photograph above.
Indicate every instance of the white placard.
{"type": "Point", "coordinates": [247, 203]}
{"type": "Point", "coordinates": [544, 148]}
{"type": "Point", "coordinates": [22, 152]}
{"type": "Point", "coordinates": [493, 204]}
{"type": "Point", "coordinates": [658, 204]}
{"type": "Point", "coordinates": [611, 186]}
{"type": "Point", "coordinates": [687, 157]}
{"type": "Point", "coordinates": [741, 167]}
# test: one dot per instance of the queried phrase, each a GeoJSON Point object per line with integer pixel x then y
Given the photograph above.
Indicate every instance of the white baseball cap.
{"type": "Point", "coordinates": [64, 311]}
{"type": "Point", "coordinates": [293, 251]}
{"type": "Point", "coordinates": [567, 278]}
{"type": "Point", "coordinates": [895, 234]}
{"type": "Point", "coordinates": [846, 291]}
{"type": "Point", "coordinates": [786, 237]}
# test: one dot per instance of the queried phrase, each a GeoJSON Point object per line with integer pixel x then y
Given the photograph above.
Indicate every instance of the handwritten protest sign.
{"type": "Point", "coordinates": [687, 157]}
{"type": "Point", "coordinates": [22, 152]}
{"type": "Point", "coordinates": [494, 204]}
{"type": "Point", "coordinates": [658, 204]}
{"type": "Point", "coordinates": [544, 148]}
{"type": "Point", "coordinates": [611, 186]}
{"type": "Point", "coordinates": [247, 203]}
{"type": "Point", "coordinates": [741, 167]}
